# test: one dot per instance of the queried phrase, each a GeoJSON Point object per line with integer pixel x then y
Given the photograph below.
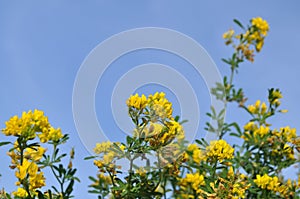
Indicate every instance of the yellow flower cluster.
{"type": "Point", "coordinates": [158, 104]}
{"type": "Point", "coordinates": [238, 184]}
{"type": "Point", "coordinates": [29, 125]}
{"type": "Point", "coordinates": [258, 108]}
{"type": "Point", "coordinates": [254, 36]}
{"type": "Point", "coordinates": [21, 193]}
{"type": "Point", "coordinates": [233, 187]}
{"type": "Point", "coordinates": [267, 182]}
{"type": "Point", "coordinates": [287, 134]}
{"type": "Point", "coordinates": [274, 97]}
{"type": "Point", "coordinates": [24, 156]}
{"type": "Point", "coordinates": [259, 30]}
{"type": "Point", "coordinates": [161, 134]}
{"type": "Point", "coordinates": [36, 179]}
{"type": "Point", "coordinates": [286, 190]}
{"type": "Point", "coordinates": [193, 180]}
{"type": "Point", "coordinates": [261, 25]}
{"type": "Point", "coordinates": [108, 155]}
{"type": "Point", "coordinates": [27, 169]}
{"type": "Point", "coordinates": [228, 35]}
{"type": "Point", "coordinates": [196, 153]}
{"type": "Point", "coordinates": [102, 147]}
{"type": "Point", "coordinates": [137, 102]}
{"type": "Point", "coordinates": [273, 184]}
{"type": "Point", "coordinates": [219, 150]}
{"type": "Point", "coordinates": [252, 130]}
{"type": "Point", "coordinates": [161, 127]}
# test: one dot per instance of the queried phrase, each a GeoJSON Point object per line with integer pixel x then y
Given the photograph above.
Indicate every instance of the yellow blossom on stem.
{"type": "Point", "coordinates": [261, 24]}
{"type": "Point", "coordinates": [22, 193]}
{"type": "Point", "coordinates": [219, 149]}
{"type": "Point", "coordinates": [195, 180]}
{"type": "Point", "coordinates": [137, 102]}
{"type": "Point", "coordinates": [267, 182]}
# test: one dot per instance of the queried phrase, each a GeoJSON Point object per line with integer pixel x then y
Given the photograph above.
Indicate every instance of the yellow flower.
{"type": "Point", "coordinates": [251, 126]}
{"type": "Point", "coordinates": [137, 102]}
{"type": "Point", "coordinates": [104, 178]}
{"type": "Point", "coordinates": [228, 35]}
{"type": "Point", "coordinates": [261, 24]}
{"type": "Point", "coordinates": [37, 181]}
{"type": "Point", "coordinates": [197, 154]}
{"type": "Point", "coordinates": [194, 179]}
{"type": "Point", "coordinates": [261, 131]}
{"type": "Point", "coordinates": [252, 109]}
{"type": "Point", "coordinates": [230, 172]}
{"type": "Point", "coordinates": [259, 45]}
{"type": "Point", "coordinates": [31, 123]}
{"type": "Point", "coordinates": [267, 182]}
{"type": "Point", "coordinates": [35, 154]}
{"type": "Point", "coordinates": [160, 106]}
{"type": "Point", "coordinates": [32, 169]}
{"type": "Point", "coordinates": [288, 133]}
{"type": "Point", "coordinates": [102, 147]}
{"type": "Point", "coordinates": [22, 169]}
{"type": "Point", "coordinates": [263, 108]}
{"type": "Point", "coordinates": [277, 94]}
{"type": "Point", "coordinates": [283, 111]}
{"type": "Point", "coordinates": [54, 134]}
{"type": "Point", "coordinates": [22, 193]}
{"type": "Point", "coordinates": [219, 149]}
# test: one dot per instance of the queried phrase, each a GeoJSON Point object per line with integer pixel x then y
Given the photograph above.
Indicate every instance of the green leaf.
{"type": "Point", "coordinates": [70, 188]}
{"type": "Point", "coordinates": [238, 23]}
{"type": "Point", "coordinates": [183, 121]}
{"type": "Point", "coordinates": [226, 61]}
{"type": "Point", "coordinates": [40, 195]}
{"type": "Point", "coordinates": [222, 113]}
{"type": "Point", "coordinates": [90, 157]}
{"type": "Point", "coordinates": [4, 143]}
{"type": "Point", "coordinates": [129, 140]}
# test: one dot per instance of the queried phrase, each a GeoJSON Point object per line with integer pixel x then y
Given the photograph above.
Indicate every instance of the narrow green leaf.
{"type": "Point", "coordinates": [238, 23]}
{"type": "Point", "coordinates": [4, 143]}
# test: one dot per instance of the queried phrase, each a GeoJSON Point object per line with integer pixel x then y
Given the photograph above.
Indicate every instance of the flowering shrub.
{"type": "Point", "coordinates": [161, 163]}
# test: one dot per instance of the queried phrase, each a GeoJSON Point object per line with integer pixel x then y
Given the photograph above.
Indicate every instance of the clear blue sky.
{"type": "Point", "coordinates": [43, 44]}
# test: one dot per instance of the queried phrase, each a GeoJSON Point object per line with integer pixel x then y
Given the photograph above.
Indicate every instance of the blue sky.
{"type": "Point", "coordinates": [43, 44]}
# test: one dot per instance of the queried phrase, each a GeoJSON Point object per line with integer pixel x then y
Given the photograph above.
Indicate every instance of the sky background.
{"type": "Point", "coordinates": [43, 44]}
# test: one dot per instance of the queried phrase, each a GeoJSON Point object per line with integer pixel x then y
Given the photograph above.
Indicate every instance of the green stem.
{"type": "Point", "coordinates": [130, 176]}
{"type": "Point", "coordinates": [54, 173]}
{"type": "Point", "coordinates": [214, 169]}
